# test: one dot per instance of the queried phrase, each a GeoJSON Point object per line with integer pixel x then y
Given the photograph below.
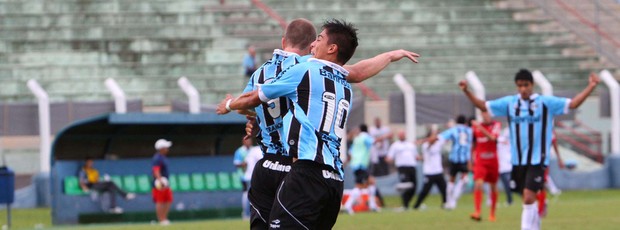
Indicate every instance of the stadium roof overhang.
{"type": "Point", "coordinates": [118, 136]}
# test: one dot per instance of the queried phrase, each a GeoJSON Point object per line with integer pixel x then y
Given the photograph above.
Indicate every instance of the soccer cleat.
{"type": "Point", "coordinates": [492, 218]}
{"type": "Point", "coordinates": [476, 217]}
{"type": "Point", "coordinates": [164, 223]}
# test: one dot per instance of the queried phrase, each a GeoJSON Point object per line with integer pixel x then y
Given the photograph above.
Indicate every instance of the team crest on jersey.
{"type": "Point", "coordinates": [291, 142]}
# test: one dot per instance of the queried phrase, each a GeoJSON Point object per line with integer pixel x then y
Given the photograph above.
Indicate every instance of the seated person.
{"type": "Point", "coordinates": [89, 179]}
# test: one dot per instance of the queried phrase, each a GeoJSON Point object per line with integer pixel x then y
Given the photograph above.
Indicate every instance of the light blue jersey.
{"type": "Point", "coordinates": [320, 98]}
{"type": "Point", "coordinates": [461, 137]}
{"type": "Point", "coordinates": [531, 125]}
{"type": "Point", "coordinates": [269, 114]}
{"type": "Point", "coordinates": [360, 151]}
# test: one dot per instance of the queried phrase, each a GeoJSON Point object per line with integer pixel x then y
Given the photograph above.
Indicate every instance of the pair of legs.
{"type": "Point", "coordinates": [429, 181]}
{"type": "Point", "coordinates": [263, 188]}
{"type": "Point", "coordinates": [308, 198]}
{"type": "Point", "coordinates": [362, 181]}
{"type": "Point", "coordinates": [529, 180]}
{"type": "Point", "coordinates": [505, 179]}
{"type": "Point", "coordinates": [163, 201]}
{"type": "Point", "coordinates": [408, 184]}
{"type": "Point", "coordinates": [485, 171]}
{"type": "Point", "coordinates": [110, 187]}
{"type": "Point", "coordinates": [455, 188]}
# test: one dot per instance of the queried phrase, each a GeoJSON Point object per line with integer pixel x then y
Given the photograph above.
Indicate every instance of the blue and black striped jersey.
{"type": "Point", "coordinates": [531, 125]}
{"type": "Point", "coordinates": [269, 114]}
{"type": "Point", "coordinates": [319, 101]}
{"type": "Point", "coordinates": [462, 138]}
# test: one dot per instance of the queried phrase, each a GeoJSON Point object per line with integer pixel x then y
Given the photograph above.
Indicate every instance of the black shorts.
{"type": "Point", "coordinates": [266, 178]}
{"type": "Point", "coordinates": [407, 177]}
{"type": "Point", "coordinates": [308, 198]}
{"type": "Point", "coordinates": [531, 177]}
{"type": "Point", "coordinates": [361, 176]}
{"type": "Point", "coordinates": [458, 167]}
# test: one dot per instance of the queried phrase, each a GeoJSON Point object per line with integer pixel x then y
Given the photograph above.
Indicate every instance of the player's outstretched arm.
{"type": "Point", "coordinates": [245, 101]}
{"type": "Point", "coordinates": [579, 98]}
{"type": "Point", "coordinates": [368, 68]}
{"type": "Point", "coordinates": [480, 104]}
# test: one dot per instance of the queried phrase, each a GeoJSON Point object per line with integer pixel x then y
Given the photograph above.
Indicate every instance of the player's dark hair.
{"type": "Point", "coordinates": [470, 120]}
{"type": "Point", "coordinates": [524, 75]}
{"type": "Point", "coordinates": [363, 128]}
{"type": "Point", "coordinates": [461, 119]}
{"type": "Point", "coordinates": [344, 35]}
{"type": "Point", "coordinates": [300, 33]}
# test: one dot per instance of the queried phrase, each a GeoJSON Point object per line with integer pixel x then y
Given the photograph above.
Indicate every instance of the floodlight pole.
{"type": "Point", "coordinates": [478, 89]}
{"type": "Point", "coordinates": [192, 95]}
{"type": "Point", "coordinates": [120, 101]}
{"type": "Point", "coordinates": [409, 93]}
{"type": "Point", "coordinates": [614, 99]}
{"type": "Point", "coordinates": [44, 124]}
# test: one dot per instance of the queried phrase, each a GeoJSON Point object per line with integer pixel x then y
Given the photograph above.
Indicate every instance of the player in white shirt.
{"type": "Point", "coordinates": [253, 156]}
{"type": "Point", "coordinates": [432, 168]}
{"type": "Point", "coordinates": [505, 163]}
{"type": "Point", "coordinates": [382, 134]}
{"type": "Point", "coordinates": [404, 155]}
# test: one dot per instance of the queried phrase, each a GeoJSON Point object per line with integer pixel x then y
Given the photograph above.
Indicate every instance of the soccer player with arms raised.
{"type": "Point", "coordinates": [530, 117]}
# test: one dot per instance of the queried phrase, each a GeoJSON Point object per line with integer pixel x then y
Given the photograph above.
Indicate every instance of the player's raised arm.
{"type": "Point", "coordinates": [368, 68]}
{"type": "Point", "coordinates": [579, 98]}
{"type": "Point", "coordinates": [480, 104]}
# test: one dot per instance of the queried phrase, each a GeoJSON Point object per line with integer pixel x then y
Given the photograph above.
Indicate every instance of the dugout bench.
{"type": "Point", "coordinates": [203, 178]}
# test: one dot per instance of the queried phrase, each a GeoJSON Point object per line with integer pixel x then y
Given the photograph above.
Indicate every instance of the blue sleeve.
{"type": "Point", "coordinates": [285, 83]}
{"type": "Point", "coordinates": [470, 134]}
{"type": "Point", "coordinates": [446, 134]}
{"type": "Point", "coordinates": [369, 141]}
{"type": "Point", "coordinates": [499, 107]}
{"type": "Point", "coordinates": [557, 105]}
{"type": "Point", "coordinates": [238, 159]}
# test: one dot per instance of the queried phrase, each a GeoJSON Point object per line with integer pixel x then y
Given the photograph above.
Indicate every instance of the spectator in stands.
{"type": "Point", "coordinates": [249, 62]}
{"type": "Point", "coordinates": [89, 180]}
{"type": "Point", "coordinates": [162, 195]}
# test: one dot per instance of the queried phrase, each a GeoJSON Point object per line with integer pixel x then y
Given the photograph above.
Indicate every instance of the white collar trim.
{"type": "Point", "coordinates": [284, 53]}
{"type": "Point", "coordinates": [332, 65]}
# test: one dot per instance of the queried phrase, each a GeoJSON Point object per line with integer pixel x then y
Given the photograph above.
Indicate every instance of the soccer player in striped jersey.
{"type": "Point", "coordinates": [485, 162]}
{"type": "Point", "coordinates": [530, 117]}
{"type": "Point", "coordinates": [358, 72]}
{"type": "Point", "coordinates": [461, 137]}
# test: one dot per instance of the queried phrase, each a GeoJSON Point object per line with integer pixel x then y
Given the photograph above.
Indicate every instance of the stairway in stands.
{"type": "Point", "coordinates": [454, 36]}
{"type": "Point", "coordinates": [72, 46]}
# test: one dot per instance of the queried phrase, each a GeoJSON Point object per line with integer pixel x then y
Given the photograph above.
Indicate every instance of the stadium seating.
{"type": "Point", "coordinates": [72, 46]}
{"type": "Point", "coordinates": [194, 182]}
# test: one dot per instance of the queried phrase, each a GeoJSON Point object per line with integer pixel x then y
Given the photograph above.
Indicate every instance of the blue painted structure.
{"type": "Point", "coordinates": [122, 144]}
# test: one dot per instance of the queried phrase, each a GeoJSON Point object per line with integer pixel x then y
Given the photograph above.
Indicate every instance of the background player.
{"type": "Point", "coordinates": [505, 164]}
{"type": "Point", "coordinates": [461, 137]}
{"type": "Point", "coordinates": [530, 118]}
{"type": "Point", "coordinates": [432, 168]}
{"type": "Point", "coordinates": [239, 162]}
{"type": "Point", "coordinates": [485, 162]}
{"type": "Point", "coordinates": [404, 155]}
{"type": "Point", "coordinates": [359, 162]}
{"type": "Point", "coordinates": [162, 195]}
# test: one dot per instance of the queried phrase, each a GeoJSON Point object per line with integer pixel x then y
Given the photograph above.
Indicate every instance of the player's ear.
{"type": "Point", "coordinates": [333, 48]}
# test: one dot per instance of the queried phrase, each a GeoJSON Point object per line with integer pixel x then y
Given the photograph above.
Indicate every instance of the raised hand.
{"type": "Point", "coordinates": [463, 85]}
{"type": "Point", "coordinates": [396, 55]}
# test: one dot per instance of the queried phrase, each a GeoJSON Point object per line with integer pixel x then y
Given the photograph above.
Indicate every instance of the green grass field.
{"type": "Point", "coordinates": [571, 210]}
